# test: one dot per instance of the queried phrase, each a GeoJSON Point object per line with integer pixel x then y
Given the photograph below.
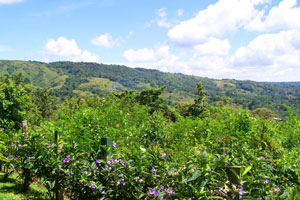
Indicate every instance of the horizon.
{"type": "Point", "coordinates": [220, 79]}
{"type": "Point", "coordinates": [255, 40]}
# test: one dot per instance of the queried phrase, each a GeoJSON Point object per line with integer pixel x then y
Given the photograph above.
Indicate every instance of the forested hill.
{"type": "Point", "coordinates": [71, 79]}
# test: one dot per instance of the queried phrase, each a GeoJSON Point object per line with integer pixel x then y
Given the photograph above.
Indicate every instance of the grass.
{"type": "Point", "coordinates": [12, 190]}
{"type": "Point", "coordinates": [101, 83]}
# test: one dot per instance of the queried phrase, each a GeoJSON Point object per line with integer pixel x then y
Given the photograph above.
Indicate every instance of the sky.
{"type": "Point", "coordinates": [237, 39]}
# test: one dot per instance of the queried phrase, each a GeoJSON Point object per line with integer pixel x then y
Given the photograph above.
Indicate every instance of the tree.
{"type": "Point", "coordinates": [45, 102]}
{"type": "Point", "coordinates": [196, 109]}
{"type": "Point", "coordinates": [16, 103]}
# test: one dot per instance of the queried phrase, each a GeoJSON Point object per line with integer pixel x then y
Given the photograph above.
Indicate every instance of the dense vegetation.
{"type": "Point", "coordinates": [68, 79]}
{"type": "Point", "coordinates": [158, 152]}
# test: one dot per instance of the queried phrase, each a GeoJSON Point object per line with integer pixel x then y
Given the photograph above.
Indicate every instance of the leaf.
{"type": "Point", "coordinates": [195, 175]}
{"type": "Point", "coordinates": [143, 149]}
{"type": "Point", "coordinates": [284, 195]}
{"type": "Point", "coordinates": [246, 170]}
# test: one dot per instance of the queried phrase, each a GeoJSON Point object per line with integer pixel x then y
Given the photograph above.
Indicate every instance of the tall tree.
{"type": "Point", "coordinates": [196, 109]}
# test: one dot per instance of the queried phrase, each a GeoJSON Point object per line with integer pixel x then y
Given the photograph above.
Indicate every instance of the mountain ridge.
{"type": "Point", "coordinates": [80, 78]}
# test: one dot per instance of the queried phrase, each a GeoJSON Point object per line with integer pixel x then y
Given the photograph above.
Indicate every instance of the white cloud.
{"type": "Point", "coordinates": [209, 66]}
{"type": "Point", "coordinates": [223, 17]}
{"type": "Point", "coordinates": [270, 57]}
{"type": "Point", "coordinates": [68, 49]}
{"type": "Point", "coordinates": [180, 12]}
{"type": "Point", "coordinates": [158, 53]}
{"type": "Point", "coordinates": [158, 57]}
{"type": "Point", "coordinates": [284, 16]}
{"type": "Point", "coordinates": [261, 60]}
{"type": "Point", "coordinates": [213, 46]}
{"type": "Point", "coordinates": [162, 21]}
{"type": "Point", "coordinates": [9, 1]}
{"type": "Point", "coordinates": [271, 49]}
{"type": "Point", "coordinates": [140, 55]}
{"type": "Point", "coordinates": [105, 40]}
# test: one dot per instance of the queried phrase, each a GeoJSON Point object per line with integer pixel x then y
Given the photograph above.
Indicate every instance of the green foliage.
{"type": "Point", "coordinates": [15, 102]}
{"type": "Point", "coordinates": [45, 101]}
{"type": "Point", "coordinates": [69, 79]}
{"type": "Point", "coordinates": [157, 158]}
{"type": "Point", "coordinates": [196, 109]}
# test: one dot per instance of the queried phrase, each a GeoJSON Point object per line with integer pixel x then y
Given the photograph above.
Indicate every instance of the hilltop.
{"type": "Point", "coordinates": [83, 79]}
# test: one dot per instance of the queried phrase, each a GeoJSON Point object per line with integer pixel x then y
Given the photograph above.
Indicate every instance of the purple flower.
{"type": "Point", "coordinates": [163, 155]}
{"type": "Point", "coordinates": [241, 193]}
{"type": "Point", "coordinates": [114, 145]}
{"type": "Point", "coordinates": [142, 156]}
{"type": "Point", "coordinates": [154, 170]}
{"type": "Point", "coordinates": [111, 166]}
{"type": "Point", "coordinates": [224, 154]}
{"type": "Point", "coordinates": [266, 181]}
{"type": "Point", "coordinates": [96, 167]}
{"type": "Point", "coordinates": [67, 159]}
{"type": "Point", "coordinates": [69, 174]}
{"type": "Point", "coordinates": [121, 181]}
{"type": "Point", "coordinates": [85, 172]}
{"type": "Point", "coordinates": [12, 144]}
{"type": "Point", "coordinates": [19, 145]}
{"type": "Point", "coordinates": [170, 191]}
{"type": "Point", "coordinates": [161, 187]}
{"type": "Point", "coordinates": [98, 161]}
{"type": "Point", "coordinates": [232, 195]}
{"type": "Point", "coordinates": [153, 192]}
{"type": "Point", "coordinates": [92, 187]}
{"type": "Point", "coordinates": [9, 156]}
{"type": "Point", "coordinates": [261, 158]}
{"type": "Point", "coordinates": [277, 190]}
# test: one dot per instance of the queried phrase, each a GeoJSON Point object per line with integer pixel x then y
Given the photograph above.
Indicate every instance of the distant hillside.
{"type": "Point", "coordinates": [71, 79]}
{"type": "Point", "coordinates": [297, 84]}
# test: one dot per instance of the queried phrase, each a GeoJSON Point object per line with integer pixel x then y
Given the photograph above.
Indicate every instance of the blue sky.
{"type": "Point", "coordinates": [241, 39]}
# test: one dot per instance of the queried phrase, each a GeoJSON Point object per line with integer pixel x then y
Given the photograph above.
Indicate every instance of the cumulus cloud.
{"type": "Point", "coordinates": [280, 59]}
{"type": "Point", "coordinates": [213, 46]}
{"type": "Point", "coordinates": [158, 57]}
{"type": "Point", "coordinates": [10, 1]}
{"type": "Point", "coordinates": [261, 60]}
{"type": "Point", "coordinates": [105, 40]}
{"type": "Point", "coordinates": [149, 54]}
{"type": "Point", "coordinates": [210, 66]}
{"type": "Point", "coordinates": [68, 49]}
{"type": "Point", "coordinates": [263, 50]}
{"type": "Point", "coordinates": [140, 55]}
{"type": "Point", "coordinates": [223, 17]}
{"type": "Point", "coordinates": [283, 16]}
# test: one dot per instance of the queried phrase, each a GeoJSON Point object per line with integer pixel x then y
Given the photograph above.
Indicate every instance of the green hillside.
{"type": "Point", "coordinates": [72, 79]}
